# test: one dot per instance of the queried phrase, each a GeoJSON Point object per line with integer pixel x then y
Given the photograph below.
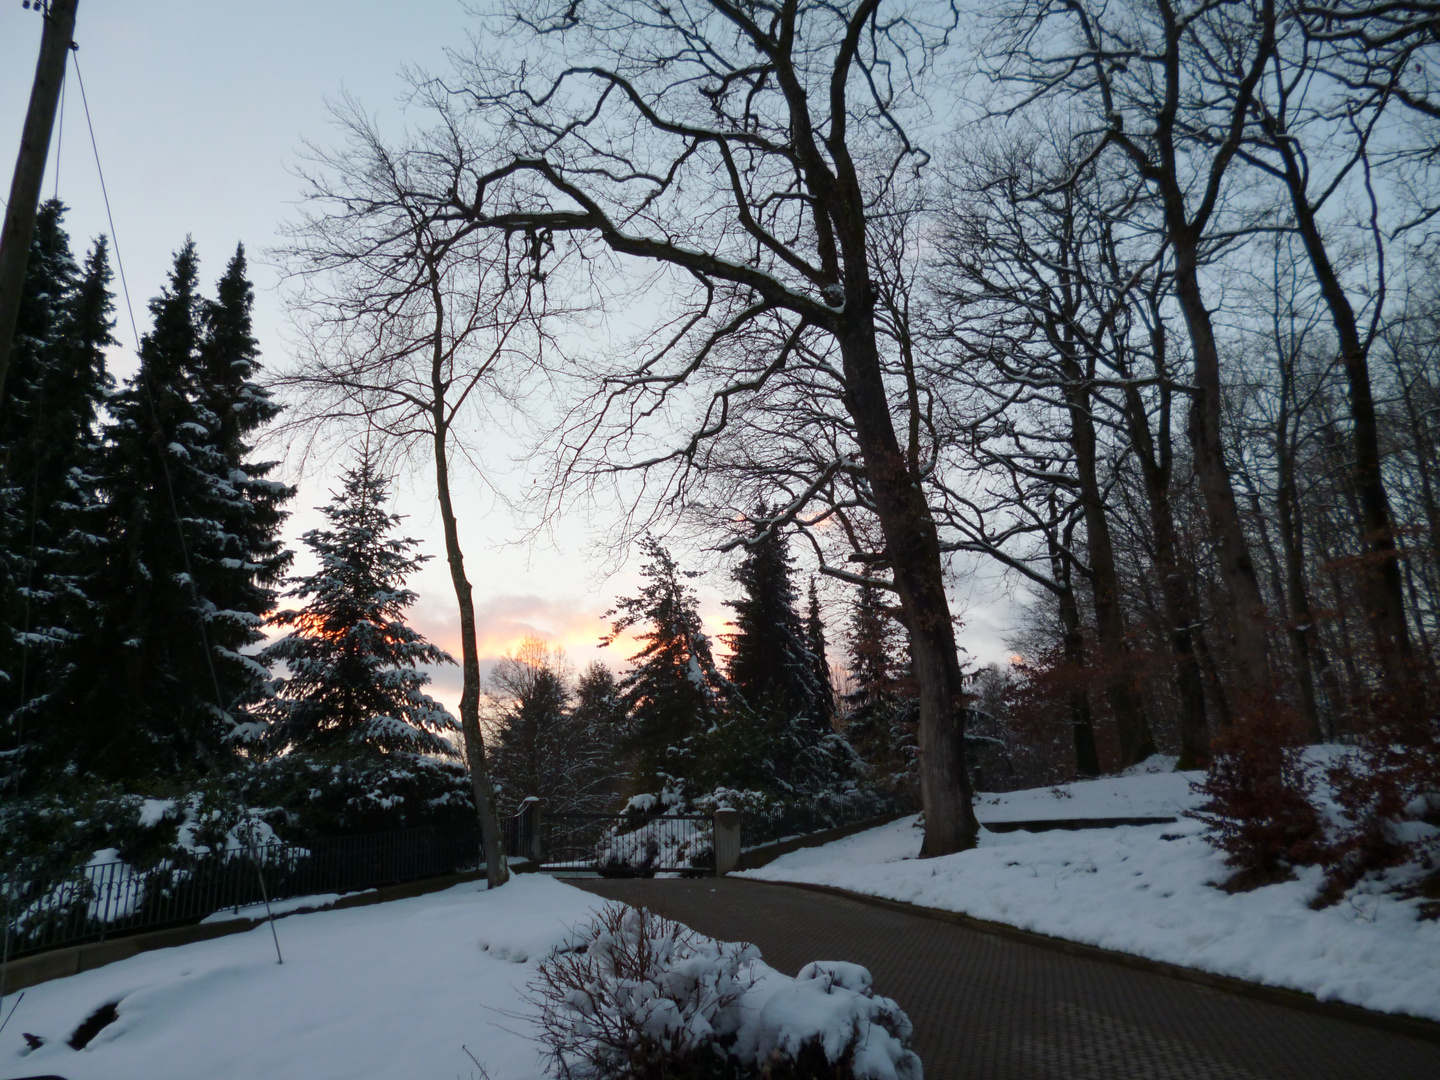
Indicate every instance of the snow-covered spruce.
{"type": "Point", "coordinates": [640, 997]}
{"type": "Point", "coordinates": [354, 674]}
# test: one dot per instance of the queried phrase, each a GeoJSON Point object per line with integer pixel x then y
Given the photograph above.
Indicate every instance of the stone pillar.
{"type": "Point", "coordinates": [727, 840]}
{"type": "Point", "coordinates": [532, 833]}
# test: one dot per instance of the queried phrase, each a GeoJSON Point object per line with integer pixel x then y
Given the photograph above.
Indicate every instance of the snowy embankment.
{"type": "Point", "coordinates": [1146, 890]}
{"type": "Point", "coordinates": [388, 990]}
{"type": "Point", "coordinates": [435, 986]}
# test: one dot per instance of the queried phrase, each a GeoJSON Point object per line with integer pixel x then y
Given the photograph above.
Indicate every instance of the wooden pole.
{"type": "Point", "coordinates": [30, 169]}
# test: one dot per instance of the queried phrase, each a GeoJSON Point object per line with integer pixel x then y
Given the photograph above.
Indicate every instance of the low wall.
{"type": "Point", "coordinates": [756, 857]}
{"type": "Point", "coordinates": [1046, 825]}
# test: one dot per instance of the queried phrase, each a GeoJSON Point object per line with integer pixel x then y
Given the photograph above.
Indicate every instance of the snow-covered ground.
{"type": "Point", "coordinates": [1145, 890]}
{"type": "Point", "coordinates": [436, 987]}
{"type": "Point", "coordinates": [390, 990]}
{"type": "Point", "coordinates": [1149, 790]}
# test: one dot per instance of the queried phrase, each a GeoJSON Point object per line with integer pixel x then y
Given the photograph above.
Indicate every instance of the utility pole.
{"type": "Point", "coordinates": [55, 42]}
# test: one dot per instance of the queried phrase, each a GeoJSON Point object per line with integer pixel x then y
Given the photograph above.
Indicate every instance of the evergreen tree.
{"type": "Point", "coordinates": [48, 451]}
{"type": "Point", "coordinates": [239, 555]}
{"type": "Point", "coordinates": [599, 715]}
{"type": "Point", "coordinates": [672, 689]}
{"type": "Point", "coordinates": [881, 711]}
{"type": "Point", "coordinates": [543, 747]}
{"type": "Point", "coordinates": [820, 665]}
{"type": "Point", "coordinates": [771, 665]}
{"type": "Point", "coordinates": [194, 557]}
{"type": "Point", "coordinates": [597, 703]}
{"type": "Point", "coordinates": [353, 668]}
{"type": "Point", "coordinates": [871, 642]}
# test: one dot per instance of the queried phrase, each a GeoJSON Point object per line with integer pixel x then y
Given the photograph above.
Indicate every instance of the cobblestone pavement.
{"type": "Point", "coordinates": [988, 1008]}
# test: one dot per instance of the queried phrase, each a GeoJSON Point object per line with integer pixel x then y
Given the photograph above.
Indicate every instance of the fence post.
{"type": "Point", "coordinates": [727, 840]}
{"type": "Point", "coordinates": [532, 833]}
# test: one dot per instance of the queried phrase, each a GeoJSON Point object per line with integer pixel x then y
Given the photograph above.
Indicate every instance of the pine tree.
{"type": "Point", "coordinates": [770, 663]}
{"type": "Point", "coordinates": [354, 675]}
{"type": "Point", "coordinates": [820, 665]}
{"type": "Point", "coordinates": [239, 557]}
{"type": "Point", "coordinates": [543, 747]}
{"type": "Point", "coordinates": [194, 556]}
{"type": "Point", "coordinates": [48, 450]}
{"type": "Point", "coordinates": [599, 715]}
{"type": "Point", "coordinates": [880, 708]}
{"type": "Point", "coordinates": [672, 689]}
{"type": "Point", "coordinates": [598, 708]}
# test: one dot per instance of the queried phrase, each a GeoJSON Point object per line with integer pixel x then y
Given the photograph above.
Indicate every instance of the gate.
{"type": "Point", "coordinates": [615, 845]}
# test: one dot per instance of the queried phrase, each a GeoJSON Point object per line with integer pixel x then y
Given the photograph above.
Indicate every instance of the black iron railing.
{"type": "Point", "coordinates": [90, 903]}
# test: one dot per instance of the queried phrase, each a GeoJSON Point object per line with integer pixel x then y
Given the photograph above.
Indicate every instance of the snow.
{"type": "Point", "coordinates": [643, 979]}
{"type": "Point", "coordinates": [1146, 890]}
{"type": "Point", "coordinates": [280, 907]}
{"type": "Point", "coordinates": [382, 991]}
{"type": "Point", "coordinates": [1142, 794]}
{"type": "Point", "coordinates": [829, 1002]}
{"type": "Point", "coordinates": [414, 987]}
{"type": "Point", "coordinates": [153, 811]}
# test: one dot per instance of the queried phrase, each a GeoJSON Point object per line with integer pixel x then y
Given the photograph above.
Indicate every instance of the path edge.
{"type": "Point", "coordinates": [1397, 1023]}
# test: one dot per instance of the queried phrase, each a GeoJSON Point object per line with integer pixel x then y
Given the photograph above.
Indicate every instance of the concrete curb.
{"type": "Point", "coordinates": [1398, 1023]}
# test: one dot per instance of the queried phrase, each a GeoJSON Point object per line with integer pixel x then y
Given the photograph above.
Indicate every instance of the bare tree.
{"type": "Point", "coordinates": [408, 322]}
{"type": "Point", "coordinates": [1317, 120]}
{"type": "Point", "coordinates": [1032, 305]}
{"type": "Point", "coordinates": [740, 149]}
{"type": "Point", "coordinates": [1178, 122]}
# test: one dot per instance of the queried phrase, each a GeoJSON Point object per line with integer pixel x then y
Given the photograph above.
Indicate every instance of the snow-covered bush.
{"type": "Point", "coordinates": [55, 831]}
{"type": "Point", "coordinates": [642, 998]}
{"type": "Point", "coordinates": [342, 794]}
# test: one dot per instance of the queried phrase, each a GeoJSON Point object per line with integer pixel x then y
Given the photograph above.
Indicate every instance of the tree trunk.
{"type": "Point", "coordinates": [1249, 641]}
{"type": "Point", "coordinates": [1304, 636]}
{"type": "Point", "coordinates": [1087, 759]}
{"type": "Point", "coordinates": [19, 227]}
{"type": "Point", "coordinates": [492, 840]}
{"type": "Point", "coordinates": [912, 548]}
{"type": "Point", "coordinates": [1136, 742]}
{"type": "Point", "coordinates": [1181, 611]}
{"type": "Point", "coordinates": [1381, 587]}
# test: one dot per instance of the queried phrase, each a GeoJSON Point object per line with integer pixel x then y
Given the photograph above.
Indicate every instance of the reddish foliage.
{"type": "Point", "coordinates": [1038, 719]}
{"type": "Point", "coordinates": [1393, 778]}
{"type": "Point", "coordinates": [1259, 809]}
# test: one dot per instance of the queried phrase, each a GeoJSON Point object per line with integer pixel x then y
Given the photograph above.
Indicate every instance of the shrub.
{"type": "Point", "coordinates": [644, 998]}
{"type": "Point", "coordinates": [1260, 810]}
{"type": "Point", "coordinates": [56, 831]}
{"type": "Point", "coordinates": [341, 794]}
{"type": "Point", "coordinates": [1388, 791]}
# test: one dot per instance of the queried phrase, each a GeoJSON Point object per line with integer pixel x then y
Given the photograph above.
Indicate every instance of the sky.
{"type": "Point", "coordinates": [201, 112]}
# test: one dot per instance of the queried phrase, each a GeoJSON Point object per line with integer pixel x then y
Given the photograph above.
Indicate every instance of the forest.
{"type": "Point", "coordinates": [1132, 307]}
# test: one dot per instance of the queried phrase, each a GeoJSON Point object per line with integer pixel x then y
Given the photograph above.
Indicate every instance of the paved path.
{"type": "Point", "coordinates": [988, 1008]}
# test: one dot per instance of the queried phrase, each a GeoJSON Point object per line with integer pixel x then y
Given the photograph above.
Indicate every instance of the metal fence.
{"type": "Point", "coordinates": [624, 845]}
{"type": "Point", "coordinates": [90, 903]}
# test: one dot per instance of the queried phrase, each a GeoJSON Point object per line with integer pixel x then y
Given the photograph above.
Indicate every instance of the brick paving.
{"type": "Point", "coordinates": [989, 1008]}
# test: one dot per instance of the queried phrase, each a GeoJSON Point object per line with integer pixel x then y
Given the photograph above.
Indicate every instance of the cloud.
{"type": "Point", "coordinates": [502, 622]}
